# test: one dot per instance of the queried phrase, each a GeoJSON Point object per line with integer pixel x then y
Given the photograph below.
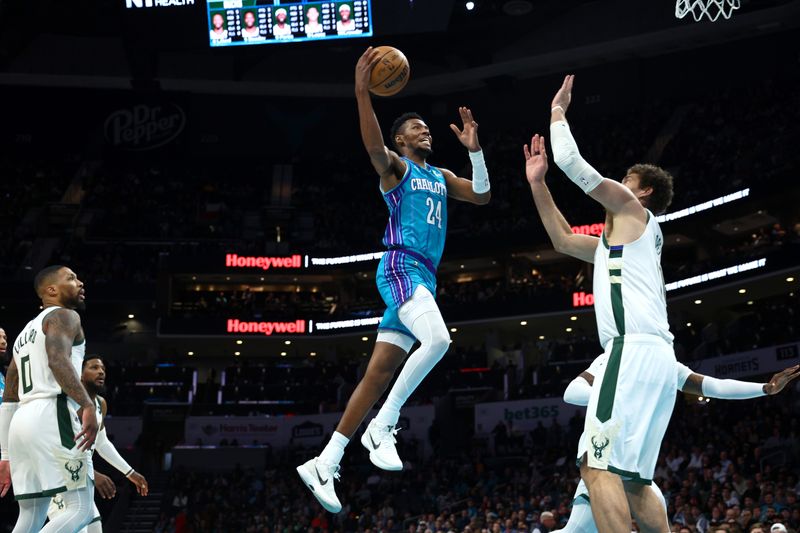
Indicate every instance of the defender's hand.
{"type": "Point", "coordinates": [141, 483]}
{"type": "Point", "coordinates": [105, 486]}
{"type": "Point", "coordinates": [468, 136]}
{"type": "Point", "coordinates": [364, 67]}
{"type": "Point", "coordinates": [781, 379]}
{"type": "Point", "coordinates": [5, 477]}
{"type": "Point", "coordinates": [564, 95]}
{"type": "Point", "coordinates": [535, 160]}
{"type": "Point", "coordinates": [88, 433]}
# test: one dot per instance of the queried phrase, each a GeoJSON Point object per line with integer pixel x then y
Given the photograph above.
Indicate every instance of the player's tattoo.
{"type": "Point", "coordinates": [62, 327]}
{"type": "Point", "coordinates": [11, 394]}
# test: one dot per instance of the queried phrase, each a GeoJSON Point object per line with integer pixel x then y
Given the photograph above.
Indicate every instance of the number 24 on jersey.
{"type": "Point", "coordinates": [434, 212]}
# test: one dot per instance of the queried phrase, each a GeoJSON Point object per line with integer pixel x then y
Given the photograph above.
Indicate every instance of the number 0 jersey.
{"type": "Point", "coordinates": [418, 212]}
{"type": "Point", "coordinates": [36, 380]}
{"type": "Point", "coordinates": [629, 292]}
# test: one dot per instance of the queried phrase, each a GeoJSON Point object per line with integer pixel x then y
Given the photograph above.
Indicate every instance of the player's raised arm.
{"type": "Point", "coordinates": [61, 328]}
{"type": "Point", "coordinates": [387, 164]}
{"type": "Point", "coordinates": [477, 190]}
{"type": "Point", "coordinates": [615, 197]}
{"type": "Point", "coordinates": [732, 389]}
{"type": "Point", "coordinates": [559, 231]}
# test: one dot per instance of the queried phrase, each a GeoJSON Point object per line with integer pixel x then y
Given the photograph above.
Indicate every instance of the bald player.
{"type": "Point", "coordinates": [47, 419]}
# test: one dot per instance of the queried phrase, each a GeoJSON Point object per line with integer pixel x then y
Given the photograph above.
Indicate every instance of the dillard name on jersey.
{"type": "Point", "coordinates": [24, 338]}
{"type": "Point", "coordinates": [421, 184]}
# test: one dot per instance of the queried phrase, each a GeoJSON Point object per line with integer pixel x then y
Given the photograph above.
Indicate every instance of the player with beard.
{"type": "Point", "coordinates": [416, 194]}
{"type": "Point", "coordinates": [93, 378]}
{"type": "Point", "coordinates": [47, 419]}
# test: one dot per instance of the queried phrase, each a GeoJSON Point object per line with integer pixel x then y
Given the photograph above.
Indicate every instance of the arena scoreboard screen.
{"type": "Point", "coordinates": [246, 22]}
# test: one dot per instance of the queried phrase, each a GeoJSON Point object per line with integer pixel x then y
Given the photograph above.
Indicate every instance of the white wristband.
{"type": "Point", "coordinates": [552, 109]}
{"type": "Point", "coordinates": [480, 174]}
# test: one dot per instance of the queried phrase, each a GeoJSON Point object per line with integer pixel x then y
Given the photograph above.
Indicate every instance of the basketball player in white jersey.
{"type": "Point", "coordinates": [632, 400]}
{"type": "Point", "coordinates": [3, 348]}
{"type": "Point", "coordinates": [579, 391]}
{"type": "Point", "coordinates": [93, 377]}
{"type": "Point", "coordinates": [47, 419]}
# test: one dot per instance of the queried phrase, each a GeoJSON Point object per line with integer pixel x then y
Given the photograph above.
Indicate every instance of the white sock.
{"type": "Point", "coordinates": [334, 450]}
{"type": "Point", "coordinates": [421, 316]}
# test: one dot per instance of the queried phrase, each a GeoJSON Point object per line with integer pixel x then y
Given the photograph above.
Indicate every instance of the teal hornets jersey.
{"type": "Point", "coordinates": [418, 213]}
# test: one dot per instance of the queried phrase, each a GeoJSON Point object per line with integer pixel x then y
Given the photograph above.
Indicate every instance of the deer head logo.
{"type": "Point", "coordinates": [73, 469]}
{"type": "Point", "coordinates": [598, 448]}
{"type": "Point", "coordinates": [59, 501]}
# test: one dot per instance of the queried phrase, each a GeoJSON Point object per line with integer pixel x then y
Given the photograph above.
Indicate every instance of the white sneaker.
{"type": "Point", "coordinates": [318, 476]}
{"type": "Point", "coordinates": [380, 442]}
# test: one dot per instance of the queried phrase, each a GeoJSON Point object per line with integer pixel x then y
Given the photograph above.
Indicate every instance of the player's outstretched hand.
{"type": "Point", "coordinates": [564, 95]}
{"type": "Point", "coordinates": [5, 477]}
{"type": "Point", "coordinates": [469, 134]}
{"type": "Point", "coordinates": [535, 159]}
{"type": "Point", "coordinates": [781, 379]}
{"type": "Point", "coordinates": [88, 433]}
{"type": "Point", "coordinates": [104, 485]}
{"type": "Point", "coordinates": [140, 482]}
{"type": "Point", "coordinates": [364, 68]}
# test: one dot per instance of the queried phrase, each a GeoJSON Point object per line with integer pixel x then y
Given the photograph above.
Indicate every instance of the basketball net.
{"type": "Point", "coordinates": [710, 9]}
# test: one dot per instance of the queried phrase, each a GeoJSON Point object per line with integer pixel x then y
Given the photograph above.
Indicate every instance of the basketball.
{"type": "Point", "coordinates": [391, 73]}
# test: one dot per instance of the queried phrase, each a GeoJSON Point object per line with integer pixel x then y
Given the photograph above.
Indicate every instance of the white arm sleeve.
{"type": "Point", "coordinates": [731, 389]}
{"type": "Point", "coordinates": [108, 452]}
{"type": "Point", "coordinates": [683, 372]}
{"type": "Point", "coordinates": [569, 160]}
{"type": "Point", "coordinates": [7, 410]}
{"type": "Point", "coordinates": [480, 174]}
{"type": "Point", "coordinates": [578, 392]}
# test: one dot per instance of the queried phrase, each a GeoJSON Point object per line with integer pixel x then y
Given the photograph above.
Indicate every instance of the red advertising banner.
{"type": "Point", "coordinates": [263, 262]}
{"type": "Point", "coordinates": [266, 328]}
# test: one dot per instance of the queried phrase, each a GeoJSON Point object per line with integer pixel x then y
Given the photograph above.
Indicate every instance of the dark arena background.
{"type": "Point", "coordinates": [217, 202]}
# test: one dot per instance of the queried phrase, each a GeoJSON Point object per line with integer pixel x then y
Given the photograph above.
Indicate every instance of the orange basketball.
{"type": "Point", "coordinates": [391, 73]}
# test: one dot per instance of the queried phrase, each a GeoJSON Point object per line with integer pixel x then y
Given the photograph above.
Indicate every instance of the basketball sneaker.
{"type": "Point", "coordinates": [318, 476]}
{"type": "Point", "coordinates": [380, 442]}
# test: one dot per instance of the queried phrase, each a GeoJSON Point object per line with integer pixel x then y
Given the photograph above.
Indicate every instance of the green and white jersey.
{"type": "Point", "coordinates": [36, 380]}
{"type": "Point", "coordinates": [629, 292]}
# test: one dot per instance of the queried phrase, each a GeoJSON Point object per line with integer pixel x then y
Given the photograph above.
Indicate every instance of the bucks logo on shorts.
{"type": "Point", "coordinates": [74, 468]}
{"type": "Point", "coordinates": [599, 447]}
{"type": "Point", "coordinates": [59, 501]}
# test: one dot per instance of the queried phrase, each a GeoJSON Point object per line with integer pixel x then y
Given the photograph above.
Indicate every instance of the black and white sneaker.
{"type": "Point", "coordinates": [318, 476]}
{"type": "Point", "coordinates": [380, 442]}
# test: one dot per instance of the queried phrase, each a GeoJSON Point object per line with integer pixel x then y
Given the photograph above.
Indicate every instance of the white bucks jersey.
{"type": "Point", "coordinates": [36, 380]}
{"type": "Point", "coordinates": [629, 292]}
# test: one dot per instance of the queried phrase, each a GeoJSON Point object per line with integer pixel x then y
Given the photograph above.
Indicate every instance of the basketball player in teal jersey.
{"type": "Point", "coordinates": [416, 194]}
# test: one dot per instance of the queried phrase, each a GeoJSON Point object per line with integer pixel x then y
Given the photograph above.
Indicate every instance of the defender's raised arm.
{"type": "Point", "coordinates": [559, 231]}
{"type": "Point", "coordinates": [614, 196]}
